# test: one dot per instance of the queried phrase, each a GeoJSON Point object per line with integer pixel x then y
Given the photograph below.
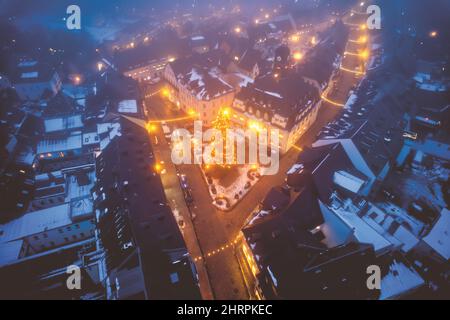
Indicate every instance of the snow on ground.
{"type": "Point", "coordinates": [237, 187]}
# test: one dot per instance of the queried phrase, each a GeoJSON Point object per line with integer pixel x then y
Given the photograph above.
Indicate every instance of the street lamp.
{"type": "Point", "coordinates": [151, 128]}
{"type": "Point", "coordinates": [298, 56]}
{"type": "Point", "coordinates": [77, 80]}
{"type": "Point", "coordinates": [295, 38]}
{"type": "Point", "coordinates": [165, 92]}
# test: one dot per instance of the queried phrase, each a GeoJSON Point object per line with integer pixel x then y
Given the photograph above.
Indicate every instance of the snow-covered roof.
{"type": "Point", "coordinates": [348, 181]}
{"type": "Point", "coordinates": [107, 132]}
{"type": "Point", "coordinates": [27, 63]}
{"type": "Point", "coordinates": [49, 145]}
{"type": "Point", "coordinates": [274, 280]}
{"type": "Point", "coordinates": [270, 93]}
{"type": "Point", "coordinates": [439, 236]}
{"type": "Point", "coordinates": [288, 97]}
{"type": "Point", "coordinates": [90, 138]}
{"type": "Point", "coordinates": [80, 184]}
{"type": "Point", "coordinates": [352, 151]}
{"type": "Point", "coordinates": [408, 240]}
{"type": "Point", "coordinates": [36, 222]}
{"type": "Point", "coordinates": [197, 38]}
{"type": "Point", "coordinates": [127, 106]}
{"type": "Point", "coordinates": [399, 280]}
{"type": "Point", "coordinates": [75, 91]}
{"type": "Point", "coordinates": [10, 251]}
{"type": "Point", "coordinates": [26, 156]}
{"type": "Point", "coordinates": [391, 226]}
{"type": "Point", "coordinates": [363, 232]}
{"type": "Point", "coordinates": [295, 168]}
{"type": "Point", "coordinates": [245, 79]}
{"type": "Point", "coordinates": [203, 75]}
{"type": "Point", "coordinates": [81, 208]}
{"type": "Point", "coordinates": [351, 101]}
{"type": "Point", "coordinates": [63, 123]}
{"type": "Point", "coordinates": [29, 75]}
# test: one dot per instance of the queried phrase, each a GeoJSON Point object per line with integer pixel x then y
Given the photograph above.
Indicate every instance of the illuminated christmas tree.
{"type": "Point", "coordinates": [222, 123]}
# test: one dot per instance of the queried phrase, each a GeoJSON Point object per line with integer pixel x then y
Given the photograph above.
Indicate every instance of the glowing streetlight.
{"type": "Point", "coordinates": [151, 128]}
{"type": "Point", "coordinates": [237, 30]}
{"type": "Point", "coordinates": [77, 80]}
{"type": "Point", "coordinates": [295, 38]}
{"type": "Point", "coordinates": [159, 167]}
{"type": "Point", "coordinates": [362, 39]}
{"type": "Point", "coordinates": [267, 16]}
{"type": "Point", "coordinates": [99, 66]}
{"type": "Point", "coordinates": [256, 126]}
{"type": "Point", "coordinates": [165, 92]}
{"type": "Point", "coordinates": [298, 56]}
{"type": "Point", "coordinates": [433, 34]}
{"type": "Point", "coordinates": [363, 27]}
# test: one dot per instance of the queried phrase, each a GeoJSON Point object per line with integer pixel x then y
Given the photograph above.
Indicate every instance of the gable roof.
{"type": "Point", "coordinates": [201, 74]}
{"type": "Point", "coordinates": [439, 236]}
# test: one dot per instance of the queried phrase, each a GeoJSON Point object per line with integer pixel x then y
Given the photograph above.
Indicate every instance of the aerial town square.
{"type": "Point", "coordinates": [224, 150]}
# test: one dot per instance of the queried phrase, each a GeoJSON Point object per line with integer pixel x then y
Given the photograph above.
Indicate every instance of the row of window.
{"type": "Point", "coordinates": [61, 230]}
{"type": "Point", "coordinates": [74, 237]}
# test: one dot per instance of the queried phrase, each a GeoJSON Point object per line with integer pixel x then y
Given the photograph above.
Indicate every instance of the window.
{"type": "Point", "coordinates": [174, 277]}
{"type": "Point", "coordinates": [66, 239]}
{"type": "Point", "coordinates": [36, 237]}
